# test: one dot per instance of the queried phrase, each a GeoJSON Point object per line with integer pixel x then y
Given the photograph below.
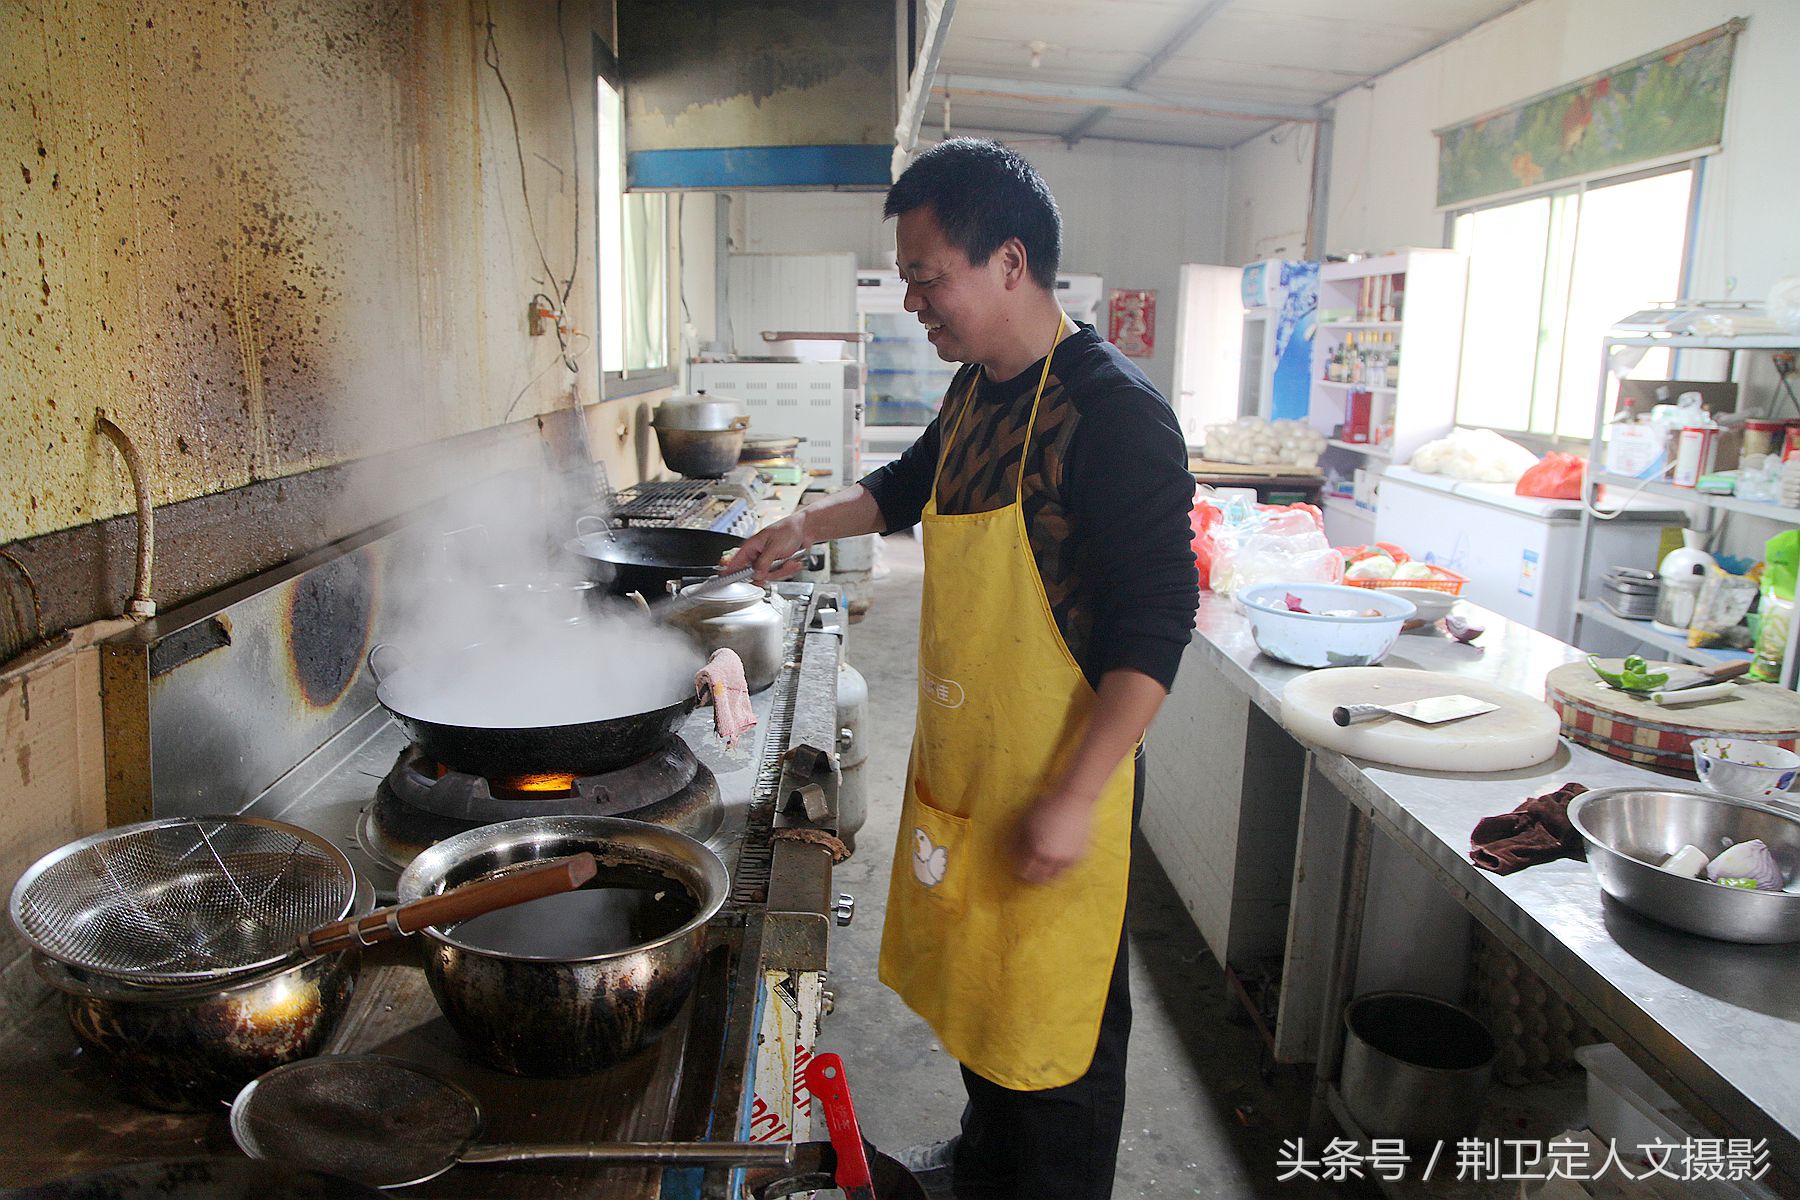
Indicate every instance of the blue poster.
{"type": "Point", "coordinates": [1292, 386]}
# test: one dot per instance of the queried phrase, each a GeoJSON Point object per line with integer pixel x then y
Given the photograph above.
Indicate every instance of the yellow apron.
{"type": "Point", "coordinates": [1012, 976]}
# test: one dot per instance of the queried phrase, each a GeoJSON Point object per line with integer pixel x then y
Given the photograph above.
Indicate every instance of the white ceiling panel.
{"type": "Point", "coordinates": [1197, 53]}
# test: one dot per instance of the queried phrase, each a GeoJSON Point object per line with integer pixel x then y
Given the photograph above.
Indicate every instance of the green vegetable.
{"type": "Point", "coordinates": [1781, 565]}
{"type": "Point", "coordinates": [1634, 677]}
{"type": "Point", "coordinates": [1736, 882]}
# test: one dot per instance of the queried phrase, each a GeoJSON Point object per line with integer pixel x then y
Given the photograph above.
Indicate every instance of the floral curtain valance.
{"type": "Point", "coordinates": [1661, 105]}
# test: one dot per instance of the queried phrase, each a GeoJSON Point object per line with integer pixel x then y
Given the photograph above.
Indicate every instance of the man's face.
{"type": "Point", "coordinates": [958, 302]}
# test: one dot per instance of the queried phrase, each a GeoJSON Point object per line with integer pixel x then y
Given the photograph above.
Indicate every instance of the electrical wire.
{"type": "Point", "coordinates": [1623, 504]}
{"type": "Point", "coordinates": [559, 284]}
{"type": "Point", "coordinates": [559, 360]}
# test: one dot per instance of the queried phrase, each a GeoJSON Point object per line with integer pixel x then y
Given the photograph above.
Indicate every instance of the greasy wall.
{"type": "Point", "coordinates": [289, 247]}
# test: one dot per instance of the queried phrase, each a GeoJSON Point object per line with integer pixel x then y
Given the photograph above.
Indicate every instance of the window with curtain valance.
{"type": "Point", "coordinates": [1666, 105]}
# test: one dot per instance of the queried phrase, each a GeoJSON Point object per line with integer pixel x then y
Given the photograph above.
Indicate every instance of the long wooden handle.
{"type": "Point", "coordinates": [458, 904]}
{"type": "Point", "coordinates": [1730, 670]}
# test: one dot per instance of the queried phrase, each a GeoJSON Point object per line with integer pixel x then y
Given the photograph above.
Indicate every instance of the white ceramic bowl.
{"type": "Point", "coordinates": [1433, 605]}
{"type": "Point", "coordinates": [1310, 640]}
{"type": "Point", "coordinates": [1743, 768]}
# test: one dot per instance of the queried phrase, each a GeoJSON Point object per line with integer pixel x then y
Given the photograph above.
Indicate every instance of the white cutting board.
{"type": "Point", "coordinates": [1522, 731]}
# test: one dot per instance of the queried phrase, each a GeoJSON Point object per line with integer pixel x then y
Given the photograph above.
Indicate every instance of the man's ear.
{"type": "Point", "coordinates": [1015, 264]}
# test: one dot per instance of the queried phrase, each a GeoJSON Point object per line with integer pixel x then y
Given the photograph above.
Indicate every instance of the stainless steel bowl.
{"type": "Point", "coordinates": [1628, 830]}
{"type": "Point", "coordinates": [559, 1017]}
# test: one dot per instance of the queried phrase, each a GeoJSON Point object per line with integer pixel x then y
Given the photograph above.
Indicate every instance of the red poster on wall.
{"type": "Point", "coordinates": [1132, 323]}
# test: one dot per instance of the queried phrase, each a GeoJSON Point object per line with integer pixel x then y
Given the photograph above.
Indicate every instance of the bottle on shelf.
{"type": "Point", "coordinates": [1393, 367]}
{"type": "Point", "coordinates": [1356, 360]}
{"type": "Point", "coordinates": [1396, 298]}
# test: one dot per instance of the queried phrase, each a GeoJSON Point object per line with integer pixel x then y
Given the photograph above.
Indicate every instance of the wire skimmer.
{"type": "Point", "coordinates": [182, 900]}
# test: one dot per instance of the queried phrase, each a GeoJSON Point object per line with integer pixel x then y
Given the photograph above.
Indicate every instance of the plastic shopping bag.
{"type": "Point", "coordinates": [1557, 476]}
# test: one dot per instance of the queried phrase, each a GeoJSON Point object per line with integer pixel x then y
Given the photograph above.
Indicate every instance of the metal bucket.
{"type": "Point", "coordinates": [1415, 1067]}
{"type": "Point", "coordinates": [561, 1017]}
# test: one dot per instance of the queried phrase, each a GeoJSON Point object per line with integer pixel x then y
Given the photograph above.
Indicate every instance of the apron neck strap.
{"type": "Point", "coordinates": [1062, 321]}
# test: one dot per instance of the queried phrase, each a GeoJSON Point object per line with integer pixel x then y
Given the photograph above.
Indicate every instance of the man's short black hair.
{"type": "Point", "coordinates": [983, 193]}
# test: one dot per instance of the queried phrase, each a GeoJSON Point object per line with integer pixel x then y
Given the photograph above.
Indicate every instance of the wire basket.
{"type": "Point", "coordinates": [182, 900]}
{"type": "Point", "coordinates": [1442, 580]}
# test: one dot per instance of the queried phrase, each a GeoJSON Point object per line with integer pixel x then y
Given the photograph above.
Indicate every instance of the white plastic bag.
{"type": "Point", "coordinates": [1477, 455]}
{"type": "Point", "coordinates": [1280, 547]}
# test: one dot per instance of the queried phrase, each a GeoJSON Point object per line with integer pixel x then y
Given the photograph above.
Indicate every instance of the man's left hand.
{"type": "Point", "coordinates": [1052, 836]}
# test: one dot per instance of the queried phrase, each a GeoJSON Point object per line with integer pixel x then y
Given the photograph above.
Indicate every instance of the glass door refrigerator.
{"type": "Point", "coordinates": [905, 379]}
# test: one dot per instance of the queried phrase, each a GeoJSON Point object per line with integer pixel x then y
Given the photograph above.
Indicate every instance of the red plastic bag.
{"type": "Point", "coordinates": [1556, 476]}
{"type": "Point", "coordinates": [1202, 520]}
{"type": "Point", "coordinates": [1311, 510]}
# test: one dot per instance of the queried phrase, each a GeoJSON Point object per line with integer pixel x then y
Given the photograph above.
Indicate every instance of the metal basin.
{"type": "Point", "coordinates": [547, 1016]}
{"type": "Point", "coordinates": [1629, 829]}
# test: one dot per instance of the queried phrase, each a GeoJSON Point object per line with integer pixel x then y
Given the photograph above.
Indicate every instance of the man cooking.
{"type": "Point", "coordinates": [1059, 594]}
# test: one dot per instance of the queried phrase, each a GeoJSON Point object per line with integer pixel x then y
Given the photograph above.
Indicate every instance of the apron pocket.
{"type": "Point", "coordinates": [939, 845]}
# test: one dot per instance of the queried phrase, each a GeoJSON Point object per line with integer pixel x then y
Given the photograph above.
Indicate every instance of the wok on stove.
{"type": "Point", "coordinates": [647, 558]}
{"type": "Point", "coordinates": [584, 744]}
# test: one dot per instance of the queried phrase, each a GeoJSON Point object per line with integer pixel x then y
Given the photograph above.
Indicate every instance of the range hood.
{"type": "Point", "coordinates": [729, 94]}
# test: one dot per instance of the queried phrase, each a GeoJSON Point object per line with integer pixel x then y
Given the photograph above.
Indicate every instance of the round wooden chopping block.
{"type": "Point", "coordinates": [1519, 733]}
{"type": "Point", "coordinates": [1639, 731]}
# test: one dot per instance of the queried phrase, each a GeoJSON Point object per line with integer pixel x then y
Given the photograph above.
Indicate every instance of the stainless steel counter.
{"type": "Point", "coordinates": [1716, 1023]}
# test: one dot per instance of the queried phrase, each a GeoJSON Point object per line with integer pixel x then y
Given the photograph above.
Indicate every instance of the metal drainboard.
{"type": "Point", "coordinates": [756, 856]}
{"type": "Point", "coordinates": [660, 501]}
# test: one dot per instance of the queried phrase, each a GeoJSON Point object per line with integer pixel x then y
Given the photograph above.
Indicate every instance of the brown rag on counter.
{"type": "Point", "coordinates": [722, 680]}
{"type": "Point", "coordinates": [1538, 831]}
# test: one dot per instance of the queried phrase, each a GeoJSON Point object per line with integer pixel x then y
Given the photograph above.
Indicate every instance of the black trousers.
{"type": "Point", "coordinates": [1060, 1143]}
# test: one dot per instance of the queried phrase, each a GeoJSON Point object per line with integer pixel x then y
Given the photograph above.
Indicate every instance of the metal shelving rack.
{"type": "Point", "coordinates": [1710, 512]}
{"type": "Point", "coordinates": [1422, 405]}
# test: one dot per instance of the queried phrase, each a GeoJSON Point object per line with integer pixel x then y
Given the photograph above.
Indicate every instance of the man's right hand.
{"type": "Point", "coordinates": [786, 538]}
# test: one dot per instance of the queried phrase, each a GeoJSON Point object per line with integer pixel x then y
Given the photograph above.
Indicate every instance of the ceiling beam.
{"type": "Point", "coordinates": [1170, 48]}
{"type": "Point", "coordinates": [918, 88]}
{"type": "Point", "coordinates": [1000, 88]}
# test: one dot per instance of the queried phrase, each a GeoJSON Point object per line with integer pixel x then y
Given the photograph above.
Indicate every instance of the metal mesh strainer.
{"type": "Point", "coordinates": [367, 1117]}
{"type": "Point", "coordinates": [182, 900]}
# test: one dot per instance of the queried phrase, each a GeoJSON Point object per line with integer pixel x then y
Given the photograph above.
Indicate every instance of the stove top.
{"type": "Point", "coordinates": [382, 803]}
{"type": "Point", "coordinates": [261, 691]}
{"type": "Point", "coordinates": [419, 802]}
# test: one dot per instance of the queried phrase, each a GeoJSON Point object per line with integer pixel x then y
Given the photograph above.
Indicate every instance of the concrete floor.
{"type": "Point", "coordinates": [1200, 1120]}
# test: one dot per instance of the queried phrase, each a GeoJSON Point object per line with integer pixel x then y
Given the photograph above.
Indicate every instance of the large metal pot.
{"type": "Point", "coordinates": [700, 435]}
{"type": "Point", "coordinates": [563, 1017]}
{"type": "Point", "coordinates": [740, 617]}
{"type": "Point", "coordinates": [700, 414]}
{"type": "Point", "coordinates": [647, 559]}
{"type": "Point", "coordinates": [192, 1049]}
{"type": "Point", "coordinates": [1414, 1067]}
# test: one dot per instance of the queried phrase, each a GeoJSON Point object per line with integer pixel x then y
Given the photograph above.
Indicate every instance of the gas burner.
{"type": "Point", "coordinates": [421, 802]}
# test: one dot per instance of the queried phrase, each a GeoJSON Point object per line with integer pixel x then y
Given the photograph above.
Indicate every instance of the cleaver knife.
{"type": "Point", "coordinates": [1433, 710]}
{"type": "Point", "coordinates": [1682, 678]}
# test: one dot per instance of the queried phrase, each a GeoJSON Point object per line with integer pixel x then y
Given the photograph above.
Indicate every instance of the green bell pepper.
{"type": "Point", "coordinates": [1634, 677]}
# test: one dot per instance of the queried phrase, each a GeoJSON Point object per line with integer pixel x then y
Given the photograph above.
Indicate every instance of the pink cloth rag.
{"type": "Point", "coordinates": [722, 680]}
